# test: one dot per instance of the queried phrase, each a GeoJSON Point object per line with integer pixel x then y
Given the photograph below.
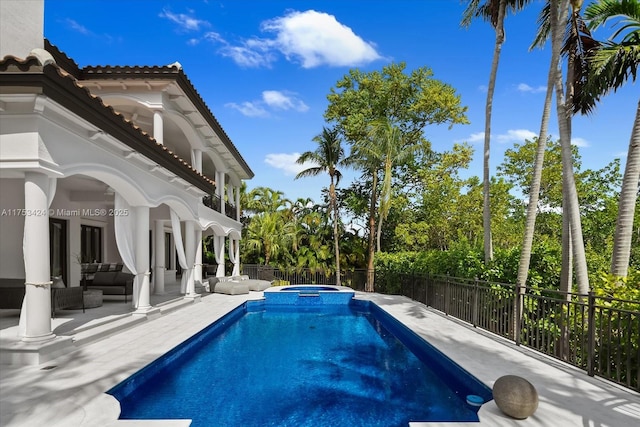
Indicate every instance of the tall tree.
{"type": "Point", "coordinates": [268, 232]}
{"type": "Point", "coordinates": [386, 146]}
{"type": "Point", "coordinates": [611, 64]}
{"type": "Point", "coordinates": [410, 102]}
{"type": "Point", "coordinates": [328, 156]}
{"type": "Point", "coordinates": [494, 11]}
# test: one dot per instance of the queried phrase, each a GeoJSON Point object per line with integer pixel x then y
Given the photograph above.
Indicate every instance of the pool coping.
{"type": "Point", "coordinates": [32, 396]}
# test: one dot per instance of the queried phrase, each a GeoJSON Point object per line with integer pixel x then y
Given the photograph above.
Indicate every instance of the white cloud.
{"type": "Point", "coordinates": [286, 162]}
{"type": "Point", "coordinates": [214, 37]}
{"type": "Point", "coordinates": [317, 38]}
{"type": "Point", "coordinates": [515, 135]}
{"type": "Point", "coordinates": [271, 100]}
{"type": "Point", "coordinates": [246, 57]}
{"type": "Point", "coordinates": [283, 101]}
{"type": "Point", "coordinates": [310, 38]}
{"type": "Point", "coordinates": [580, 142]}
{"type": "Point", "coordinates": [249, 109]}
{"type": "Point", "coordinates": [523, 87]}
{"type": "Point", "coordinates": [184, 21]}
{"type": "Point", "coordinates": [512, 135]}
{"type": "Point", "coordinates": [74, 25]}
{"type": "Point", "coordinates": [474, 137]}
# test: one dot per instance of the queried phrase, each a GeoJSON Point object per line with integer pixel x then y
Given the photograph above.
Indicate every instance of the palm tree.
{"type": "Point", "coordinates": [494, 11]}
{"type": "Point", "coordinates": [577, 41]}
{"type": "Point", "coordinates": [388, 145]}
{"type": "Point", "coordinates": [268, 232]}
{"type": "Point", "coordinates": [328, 156]}
{"type": "Point", "coordinates": [564, 108]}
{"type": "Point", "coordinates": [270, 235]}
{"type": "Point", "coordinates": [265, 199]}
{"type": "Point", "coordinates": [536, 178]}
{"type": "Point", "coordinates": [611, 65]}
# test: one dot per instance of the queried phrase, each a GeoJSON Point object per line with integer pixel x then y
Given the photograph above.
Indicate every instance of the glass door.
{"type": "Point", "coordinates": [58, 248]}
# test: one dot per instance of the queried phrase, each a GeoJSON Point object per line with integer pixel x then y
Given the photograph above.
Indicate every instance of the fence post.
{"type": "Point", "coordinates": [413, 286]}
{"type": "Point", "coordinates": [446, 297]}
{"type": "Point", "coordinates": [426, 289]}
{"type": "Point", "coordinates": [519, 301]}
{"type": "Point", "coordinates": [474, 314]}
{"type": "Point", "coordinates": [591, 333]}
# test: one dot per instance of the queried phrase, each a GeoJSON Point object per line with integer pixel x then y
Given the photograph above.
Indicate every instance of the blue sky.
{"type": "Point", "coordinates": [264, 68]}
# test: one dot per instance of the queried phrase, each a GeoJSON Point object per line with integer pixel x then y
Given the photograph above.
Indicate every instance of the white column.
{"type": "Point", "coordinates": [172, 258]}
{"type": "Point", "coordinates": [142, 258]}
{"type": "Point", "coordinates": [196, 159]}
{"type": "Point", "coordinates": [36, 308]}
{"type": "Point", "coordinates": [218, 246]}
{"type": "Point", "coordinates": [158, 272]}
{"type": "Point", "coordinates": [197, 272]}
{"type": "Point", "coordinates": [238, 204]}
{"type": "Point", "coordinates": [220, 189]}
{"type": "Point", "coordinates": [158, 127]}
{"type": "Point", "coordinates": [190, 254]}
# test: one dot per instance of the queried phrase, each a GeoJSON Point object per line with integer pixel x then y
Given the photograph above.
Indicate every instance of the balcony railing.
{"type": "Point", "coordinates": [598, 334]}
{"type": "Point", "coordinates": [213, 202]}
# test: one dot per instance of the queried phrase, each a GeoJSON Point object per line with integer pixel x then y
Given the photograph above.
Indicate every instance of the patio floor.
{"type": "Point", "coordinates": [69, 390]}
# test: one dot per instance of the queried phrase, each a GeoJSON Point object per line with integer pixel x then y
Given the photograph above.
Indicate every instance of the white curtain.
{"type": "Point", "coordinates": [125, 240]}
{"type": "Point", "coordinates": [182, 259]}
{"type": "Point", "coordinates": [233, 256]}
{"type": "Point", "coordinates": [22, 322]}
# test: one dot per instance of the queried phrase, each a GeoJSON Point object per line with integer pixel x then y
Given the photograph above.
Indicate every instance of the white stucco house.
{"type": "Point", "coordinates": [112, 164]}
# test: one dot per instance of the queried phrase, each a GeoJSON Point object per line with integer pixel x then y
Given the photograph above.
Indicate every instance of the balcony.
{"type": "Point", "coordinates": [213, 202]}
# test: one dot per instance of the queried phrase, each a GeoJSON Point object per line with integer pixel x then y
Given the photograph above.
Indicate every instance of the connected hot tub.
{"type": "Point", "coordinates": [308, 295]}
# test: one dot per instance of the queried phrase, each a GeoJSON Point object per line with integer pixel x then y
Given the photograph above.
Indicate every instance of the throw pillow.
{"type": "Point", "coordinates": [58, 283]}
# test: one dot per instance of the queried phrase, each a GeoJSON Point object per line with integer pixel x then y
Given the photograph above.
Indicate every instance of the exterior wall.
{"type": "Point", "coordinates": [11, 228]}
{"type": "Point", "coordinates": [25, 18]}
{"type": "Point", "coordinates": [63, 207]}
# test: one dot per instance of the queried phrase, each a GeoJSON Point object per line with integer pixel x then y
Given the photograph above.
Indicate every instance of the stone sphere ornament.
{"type": "Point", "coordinates": [515, 396]}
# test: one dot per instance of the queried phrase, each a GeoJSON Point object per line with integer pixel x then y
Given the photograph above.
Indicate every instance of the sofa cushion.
{"type": "Point", "coordinates": [58, 283]}
{"type": "Point", "coordinates": [111, 278]}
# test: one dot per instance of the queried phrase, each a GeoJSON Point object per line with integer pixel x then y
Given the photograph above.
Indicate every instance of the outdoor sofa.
{"type": "Point", "coordinates": [236, 285]}
{"type": "Point", "coordinates": [62, 297]}
{"type": "Point", "coordinates": [112, 283]}
{"type": "Point", "coordinates": [254, 284]}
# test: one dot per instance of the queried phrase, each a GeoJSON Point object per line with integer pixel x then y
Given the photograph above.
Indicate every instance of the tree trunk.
{"type": "Point", "coordinates": [486, 182]}
{"type": "Point", "coordinates": [569, 185]}
{"type": "Point", "coordinates": [627, 204]}
{"type": "Point", "coordinates": [336, 238]}
{"type": "Point", "coordinates": [379, 233]}
{"type": "Point", "coordinates": [534, 191]}
{"type": "Point", "coordinates": [372, 234]}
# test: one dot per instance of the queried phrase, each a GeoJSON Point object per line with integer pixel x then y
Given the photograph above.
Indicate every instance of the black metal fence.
{"type": "Point", "coordinates": [598, 334]}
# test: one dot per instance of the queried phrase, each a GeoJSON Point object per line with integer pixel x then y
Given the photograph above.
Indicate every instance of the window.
{"type": "Point", "coordinates": [58, 248]}
{"type": "Point", "coordinates": [167, 251]}
{"type": "Point", "coordinates": [91, 244]}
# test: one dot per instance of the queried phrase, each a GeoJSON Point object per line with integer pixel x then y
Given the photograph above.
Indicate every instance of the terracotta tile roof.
{"type": "Point", "coordinates": [165, 72]}
{"type": "Point", "coordinates": [62, 87]}
{"type": "Point", "coordinates": [174, 73]}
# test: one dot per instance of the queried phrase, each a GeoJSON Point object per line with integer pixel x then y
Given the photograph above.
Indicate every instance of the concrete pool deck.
{"type": "Point", "coordinates": [70, 390]}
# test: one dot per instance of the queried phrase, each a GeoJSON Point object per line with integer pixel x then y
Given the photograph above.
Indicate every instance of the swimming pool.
{"type": "Point", "coordinates": [320, 366]}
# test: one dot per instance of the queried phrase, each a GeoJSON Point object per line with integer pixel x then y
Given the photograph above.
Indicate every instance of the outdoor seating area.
{"type": "Point", "coordinates": [12, 293]}
{"type": "Point", "coordinates": [111, 283]}
{"type": "Point", "coordinates": [237, 285]}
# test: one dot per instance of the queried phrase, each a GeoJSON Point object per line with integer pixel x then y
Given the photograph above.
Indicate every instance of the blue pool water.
{"type": "Point", "coordinates": [309, 288]}
{"type": "Point", "coordinates": [321, 366]}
